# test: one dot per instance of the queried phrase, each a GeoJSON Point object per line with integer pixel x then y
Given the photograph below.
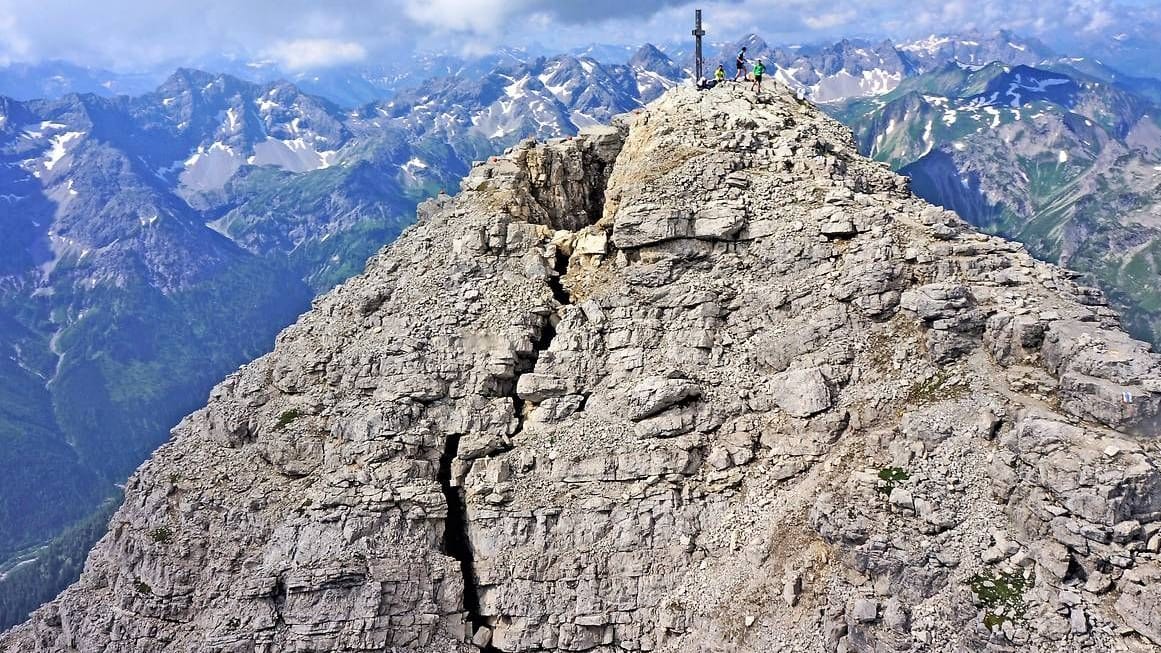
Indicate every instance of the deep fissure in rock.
{"type": "Point", "coordinates": [556, 284]}
{"type": "Point", "coordinates": [562, 296]}
{"type": "Point", "coordinates": [456, 541]}
{"type": "Point", "coordinates": [278, 598]}
{"type": "Point", "coordinates": [595, 204]}
{"type": "Point", "coordinates": [547, 333]}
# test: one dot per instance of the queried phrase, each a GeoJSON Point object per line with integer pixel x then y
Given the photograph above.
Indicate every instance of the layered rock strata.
{"type": "Point", "coordinates": [703, 380]}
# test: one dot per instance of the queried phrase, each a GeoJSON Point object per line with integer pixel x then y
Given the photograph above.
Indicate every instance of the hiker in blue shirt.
{"type": "Point", "coordinates": [740, 62]}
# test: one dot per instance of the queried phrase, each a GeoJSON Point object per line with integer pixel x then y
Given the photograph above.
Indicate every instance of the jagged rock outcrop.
{"type": "Point", "coordinates": [705, 380]}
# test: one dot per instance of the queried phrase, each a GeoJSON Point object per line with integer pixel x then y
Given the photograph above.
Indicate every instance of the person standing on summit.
{"type": "Point", "coordinates": [759, 70]}
{"type": "Point", "coordinates": [740, 62]}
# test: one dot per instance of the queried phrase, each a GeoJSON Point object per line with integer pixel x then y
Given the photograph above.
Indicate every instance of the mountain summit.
{"type": "Point", "coordinates": [706, 379]}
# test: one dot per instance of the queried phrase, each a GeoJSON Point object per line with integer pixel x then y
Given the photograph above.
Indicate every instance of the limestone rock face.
{"type": "Point", "coordinates": [704, 380]}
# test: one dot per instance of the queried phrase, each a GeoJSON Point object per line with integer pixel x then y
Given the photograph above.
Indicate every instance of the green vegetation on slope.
{"type": "Point", "coordinates": [43, 485]}
{"type": "Point", "coordinates": [40, 575]}
{"type": "Point", "coordinates": [137, 361]}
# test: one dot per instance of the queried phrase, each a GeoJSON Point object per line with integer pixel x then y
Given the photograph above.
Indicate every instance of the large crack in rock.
{"type": "Point", "coordinates": [456, 537]}
{"type": "Point", "coordinates": [567, 180]}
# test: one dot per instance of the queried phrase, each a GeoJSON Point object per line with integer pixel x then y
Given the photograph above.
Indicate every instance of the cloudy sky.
{"type": "Point", "coordinates": [128, 35]}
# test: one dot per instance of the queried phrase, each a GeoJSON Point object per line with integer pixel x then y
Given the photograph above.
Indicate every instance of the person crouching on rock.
{"type": "Point", "coordinates": [759, 70]}
{"type": "Point", "coordinates": [720, 74]}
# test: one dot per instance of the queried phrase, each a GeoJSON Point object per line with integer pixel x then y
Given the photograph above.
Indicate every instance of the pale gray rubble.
{"type": "Point", "coordinates": [703, 380]}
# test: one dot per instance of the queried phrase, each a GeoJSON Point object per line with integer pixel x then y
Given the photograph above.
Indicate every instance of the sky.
{"type": "Point", "coordinates": [302, 35]}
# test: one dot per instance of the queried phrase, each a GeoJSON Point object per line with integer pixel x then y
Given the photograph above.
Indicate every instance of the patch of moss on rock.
{"type": "Point", "coordinates": [935, 389]}
{"type": "Point", "coordinates": [287, 417]}
{"type": "Point", "coordinates": [1002, 596]}
{"type": "Point", "coordinates": [161, 534]}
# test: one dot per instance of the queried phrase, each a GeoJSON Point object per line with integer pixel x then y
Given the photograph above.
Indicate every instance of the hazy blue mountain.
{"type": "Point", "coordinates": [122, 297]}
{"type": "Point", "coordinates": [54, 79]}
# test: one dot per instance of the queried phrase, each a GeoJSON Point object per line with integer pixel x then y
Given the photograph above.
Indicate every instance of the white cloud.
{"type": "Point", "coordinates": [830, 20]}
{"type": "Point", "coordinates": [140, 34]}
{"type": "Point", "coordinates": [15, 45]}
{"type": "Point", "coordinates": [307, 54]}
{"type": "Point", "coordinates": [1100, 21]}
{"type": "Point", "coordinates": [478, 16]}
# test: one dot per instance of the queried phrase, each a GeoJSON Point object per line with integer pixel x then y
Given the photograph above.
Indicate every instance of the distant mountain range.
{"type": "Point", "coordinates": [151, 242]}
{"type": "Point", "coordinates": [55, 79]}
{"type": "Point", "coordinates": [843, 70]}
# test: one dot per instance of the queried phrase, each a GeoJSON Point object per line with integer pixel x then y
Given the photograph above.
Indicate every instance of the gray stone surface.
{"type": "Point", "coordinates": [802, 393]}
{"type": "Point", "coordinates": [865, 610]}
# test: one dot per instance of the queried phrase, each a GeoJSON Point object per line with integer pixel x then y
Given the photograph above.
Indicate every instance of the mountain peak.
{"type": "Point", "coordinates": [201, 83]}
{"type": "Point", "coordinates": [649, 50]}
{"type": "Point", "coordinates": [190, 77]}
{"type": "Point", "coordinates": [650, 58]}
{"type": "Point", "coordinates": [625, 387]}
{"type": "Point", "coordinates": [753, 43]}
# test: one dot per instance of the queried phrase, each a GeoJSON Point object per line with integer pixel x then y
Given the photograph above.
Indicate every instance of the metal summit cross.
{"type": "Point", "coordinates": [698, 32]}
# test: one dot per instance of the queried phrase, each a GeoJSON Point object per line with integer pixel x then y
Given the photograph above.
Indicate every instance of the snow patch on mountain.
{"type": "Point", "coordinates": [414, 167]}
{"type": "Point", "coordinates": [879, 82]}
{"type": "Point", "coordinates": [293, 155]}
{"type": "Point", "coordinates": [60, 147]}
{"type": "Point", "coordinates": [582, 120]}
{"type": "Point", "coordinates": [210, 168]}
{"type": "Point", "coordinates": [1016, 97]}
{"type": "Point", "coordinates": [558, 90]}
{"type": "Point", "coordinates": [930, 45]}
{"type": "Point", "coordinates": [233, 120]}
{"type": "Point", "coordinates": [843, 85]}
{"type": "Point", "coordinates": [652, 84]}
{"type": "Point", "coordinates": [995, 113]}
{"type": "Point", "coordinates": [1042, 84]}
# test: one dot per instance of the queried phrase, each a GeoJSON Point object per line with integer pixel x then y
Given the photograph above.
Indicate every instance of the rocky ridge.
{"type": "Point", "coordinates": [706, 379]}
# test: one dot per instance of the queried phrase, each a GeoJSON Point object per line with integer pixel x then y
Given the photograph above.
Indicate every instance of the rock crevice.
{"type": "Point", "coordinates": [456, 537]}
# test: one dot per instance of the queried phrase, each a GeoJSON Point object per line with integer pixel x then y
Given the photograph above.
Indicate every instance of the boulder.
{"type": "Point", "coordinates": [802, 393]}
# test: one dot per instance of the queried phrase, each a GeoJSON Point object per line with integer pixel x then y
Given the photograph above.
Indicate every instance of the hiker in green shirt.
{"type": "Point", "coordinates": [759, 70]}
